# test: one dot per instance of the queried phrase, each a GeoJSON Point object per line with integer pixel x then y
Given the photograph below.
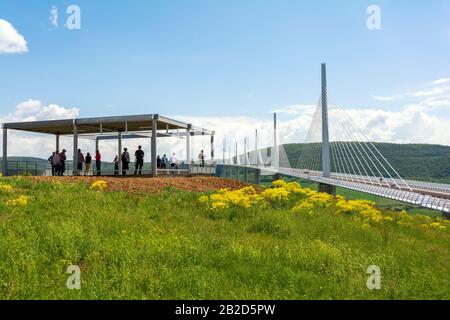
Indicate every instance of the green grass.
{"type": "Point", "coordinates": [167, 246]}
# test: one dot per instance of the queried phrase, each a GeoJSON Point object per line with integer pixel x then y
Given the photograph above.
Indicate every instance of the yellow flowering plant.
{"type": "Point", "coordinates": [99, 185]}
{"type": "Point", "coordinates": [244, 198]}
{"type": "Point", "coordinates": [21, 201]}
{"type": "Point", "coordinates": [5, 188]}
{"type": "Point", "coordinates": [291, 195]}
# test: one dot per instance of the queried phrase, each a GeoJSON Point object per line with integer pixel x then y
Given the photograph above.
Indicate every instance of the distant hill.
{"type": "Point", "coordinates": [26, 165]}
{"type": "Point", "coordinates": [412, 161]}
{"type": "Point", "coordinates": [31, 159]}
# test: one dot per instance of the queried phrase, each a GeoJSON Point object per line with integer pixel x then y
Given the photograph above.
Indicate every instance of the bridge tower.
{"type": "Point", "coordinates": [326, 171]}
{"type": "Point", "coordinates": [275, 151]}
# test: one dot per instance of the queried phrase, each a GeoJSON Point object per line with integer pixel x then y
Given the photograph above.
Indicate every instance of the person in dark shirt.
{"type": "Point", "coordinates": [116, 165]}
{"type": "Point", "coordinates": [139, 154]}
{"type": "Point", "coordinates": [125, 161]}
{"type": "Point", "coordinates": [87, 163]}
{"type": "Point", "coordinates": [62, 158]}
{"type": "Point", "coordinates": [158, 162]}
{"type": "Point", "coordinates": [164, 162]}
{"type": "Point", "coordinates": [51, 163]}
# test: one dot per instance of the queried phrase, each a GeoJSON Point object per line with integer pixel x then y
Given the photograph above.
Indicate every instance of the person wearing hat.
{"type": "Point", "coordinates": [125, 157]}
{"type": "Point", "coordinates": [139, 154]}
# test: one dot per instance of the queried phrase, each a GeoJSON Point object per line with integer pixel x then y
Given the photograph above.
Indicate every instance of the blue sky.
{"type": "Point", "coordinates": [220, 57]}
{"type": "Point", "coordinates": [229, 64]}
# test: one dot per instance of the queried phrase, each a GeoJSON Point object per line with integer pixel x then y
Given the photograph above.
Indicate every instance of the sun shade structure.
{"type": "Point", "coordinates": [151, 126]}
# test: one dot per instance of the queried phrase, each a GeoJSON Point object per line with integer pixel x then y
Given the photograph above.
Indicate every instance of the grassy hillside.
{"type": "Point", "coordinates": [170, 245]}
{"type": "Point", "coordinates": [412, 161]}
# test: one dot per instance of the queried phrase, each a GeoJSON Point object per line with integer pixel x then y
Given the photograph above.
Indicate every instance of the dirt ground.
{"type": "Point", "coordinates": [147, 184]}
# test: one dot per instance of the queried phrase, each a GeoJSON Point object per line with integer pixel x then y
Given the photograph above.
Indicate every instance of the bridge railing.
{"type": "Point", "coordinates": [23, 168]}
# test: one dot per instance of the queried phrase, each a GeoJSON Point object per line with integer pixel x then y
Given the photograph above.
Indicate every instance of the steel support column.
{"type": "Point", "coordinates": [256, 148]}
{"type": "Point", "coordinates": [119, 153]}
{"type": "Point", "coordinates": [188, 147]}
{"type": "Point", "coordinates": [75, 150]}
{"type": "Point", "coordinates": [245, 160]}
{"type": "Point", "coordinates": [276, 156]}
{"type": "Point", "coordinates": [57, 142]}
{"type": "Point", "coordinates": [257, 176]}
{"type": "Point", "coordinates": [5, 152]}
{"type": "Point", "coordinates": [223, 150]}
{"type": "Point", "coordinates": [237, 161]}
{"type": "Point", "coordinates": [154, 146]}
{"type": "Point", "coordinates": [212, 147]}
{"type": "Point", "coordinates": [96, 144]}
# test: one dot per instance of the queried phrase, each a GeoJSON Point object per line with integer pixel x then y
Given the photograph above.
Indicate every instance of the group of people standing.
{"type": "Point", "coordinates": [164, 162]}
{"type": "Point", "coordinates": [126, 159]}
{"type": "Point", "coordinates": [58, 162]}
{"type": "Point", "coordinates": [87, 161]}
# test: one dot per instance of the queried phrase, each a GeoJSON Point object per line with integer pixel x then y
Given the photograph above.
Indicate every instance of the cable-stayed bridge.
{"type": "Point", "coordinates": [335, 153]}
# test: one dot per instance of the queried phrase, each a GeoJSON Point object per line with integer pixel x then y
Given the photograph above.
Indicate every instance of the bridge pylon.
{"type": "Point", "coordinates": [275, 151]}
{"type": "Point", "coordinates": [326, 170]}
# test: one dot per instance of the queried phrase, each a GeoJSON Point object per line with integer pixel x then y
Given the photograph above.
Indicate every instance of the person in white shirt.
{"type": "Point", "coordinates": [173, 161]}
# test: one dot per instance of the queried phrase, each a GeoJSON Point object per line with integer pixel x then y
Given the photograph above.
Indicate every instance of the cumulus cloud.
{"type": "Point", "coordinates": [11, 41]}
{"type": "Point", "coordinates": [29, 144]}
{"type": "Point", "coordinates": [35, 110]}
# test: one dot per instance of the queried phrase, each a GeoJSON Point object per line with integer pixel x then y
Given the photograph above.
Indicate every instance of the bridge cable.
{"type": "Point", "coordinates": [376, 149]}
{"type": "Point", "coordinates": [354, 147]}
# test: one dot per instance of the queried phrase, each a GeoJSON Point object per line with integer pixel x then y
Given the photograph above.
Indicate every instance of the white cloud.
{"type": "Point", "coordinates": [29, 144]}
{"type": "Point", "coordinates": [415, 94]}
{"type": "Point", "coordinates": [387, 98]}
{"type": "Point", "coordinates": [441, 81]}
{"type": "Point", "coordinates": [35, 110]}
{"type": "Point", "coordinates": [10, 40]}
{"type": "Point", "coordinates": [413, 123]}
{"type": "Point", "coordinates": [54, 17]}
{"type": "Point", "coordinates": [429, 92]}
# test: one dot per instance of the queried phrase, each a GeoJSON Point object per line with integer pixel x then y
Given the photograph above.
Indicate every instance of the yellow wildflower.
{"type": "Point", "coordinates": [5, 188]}
{"type": "Point", "coordinates": [279, 184]}
{"type": "Point", "coordinates": [20, 201]}
{"type": "Point", "coordinates": [203, 199]}
{"type": "Point", "coordinates": [277, 194]}
{"type": "Point", "coordinates": [99, 185]}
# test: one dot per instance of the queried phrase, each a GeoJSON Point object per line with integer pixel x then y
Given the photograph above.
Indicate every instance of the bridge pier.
{"type": "Point", "coordinates": [257, 176]}
{"type": "Point", "coordinates": [327, 188]}
{"type": "Point", "coordinates": [246, 174]}
{"type": "Point", "coordinates": [276, 177]}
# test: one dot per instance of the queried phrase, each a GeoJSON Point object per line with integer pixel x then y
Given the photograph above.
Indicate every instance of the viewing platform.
{"type": "Point", "coordinates": [147, 126]}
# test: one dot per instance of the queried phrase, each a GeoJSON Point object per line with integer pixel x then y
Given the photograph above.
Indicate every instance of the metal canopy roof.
{"type": "Point", "coordinates": [99, 125]}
